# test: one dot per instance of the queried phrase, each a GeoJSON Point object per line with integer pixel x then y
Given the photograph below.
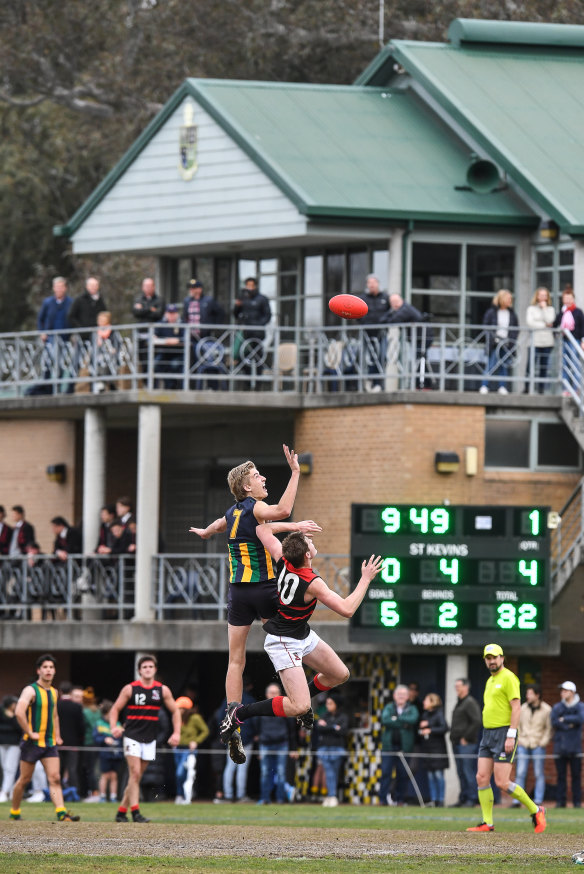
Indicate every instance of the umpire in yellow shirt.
{"type": "Point", "coordinates": [501, 710]}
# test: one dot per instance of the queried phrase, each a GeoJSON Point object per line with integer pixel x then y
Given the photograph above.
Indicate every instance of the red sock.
{"type": "Point", "coordinates": [135, 808]}
{"type": "Point", "coordinates": [320, 685]}
{"type": "Point", "coordinates": [278, 705]}
{"type": "Point", "coordinates": [122, 809]}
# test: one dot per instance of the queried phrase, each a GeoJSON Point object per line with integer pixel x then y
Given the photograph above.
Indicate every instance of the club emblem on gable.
{"type": "Point", "coordinates": [188, 144]}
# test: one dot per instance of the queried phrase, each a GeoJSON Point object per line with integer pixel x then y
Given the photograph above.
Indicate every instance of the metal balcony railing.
{"type": "Point", "coordinates": [350, 357]}
{"type": "Point", "coordinates": [95, 587]}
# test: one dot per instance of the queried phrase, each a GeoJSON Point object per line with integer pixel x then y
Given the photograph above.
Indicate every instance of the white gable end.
{"type": "Point", "coordinates": [152, 209]}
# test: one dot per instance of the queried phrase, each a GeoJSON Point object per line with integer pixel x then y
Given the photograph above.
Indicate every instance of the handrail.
{"type": "Point", "coordinates": [348, 357]}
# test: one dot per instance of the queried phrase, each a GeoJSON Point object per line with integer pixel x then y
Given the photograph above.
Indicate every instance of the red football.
{"type": "Point", "coordinates": [348, 306]}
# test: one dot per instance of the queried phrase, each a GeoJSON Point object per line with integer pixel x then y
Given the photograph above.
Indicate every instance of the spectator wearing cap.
{"type": "Point", "coordinates": [148, 308]}
{"type": "Point", "coordinates": [169, 340]}
{"type": "Point", "coordinates": [567, 721]}
{"type": "Point", "coordinates": [193, 732]}
{"type": "Point", "coordinates": [201, 311]}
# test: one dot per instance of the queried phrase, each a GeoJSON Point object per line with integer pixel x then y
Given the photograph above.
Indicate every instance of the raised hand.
{"type": "Point", "coordinates": [291, 458]}
{"type": "Point", "coordinates": [308, 527]}
{"type": "Point", "coordinates": [370, 569]}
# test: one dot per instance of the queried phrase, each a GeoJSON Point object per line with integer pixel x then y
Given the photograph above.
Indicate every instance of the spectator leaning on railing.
{"type": "Point", "coordinates": [535, 731]}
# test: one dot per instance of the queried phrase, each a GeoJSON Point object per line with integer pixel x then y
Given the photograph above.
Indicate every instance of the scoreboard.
{"type": "Point", "coordinates": [453, 576]}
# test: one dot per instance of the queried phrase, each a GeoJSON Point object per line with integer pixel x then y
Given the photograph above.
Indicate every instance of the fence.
{"type": "Point", "coordinates": [442, 357]}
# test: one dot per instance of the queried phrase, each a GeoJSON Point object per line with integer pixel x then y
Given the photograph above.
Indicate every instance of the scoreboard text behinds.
{"type": "Point", "coordinates": [453, 575]}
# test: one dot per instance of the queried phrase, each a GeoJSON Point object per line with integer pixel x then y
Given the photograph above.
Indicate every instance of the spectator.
{"type": "Point", "coordinates": [501, 324]}
{"type": "Point", "coordinates": [276, 739]}
{"type": "Point", "coordinates": [249, 730]}
{"type": "Point", "coordinates": [73, 734]}
{"type": "Point", "coordinates": [251, 311]}
{"type": "Point", "coordinates": [332, 729]}
{"type": "Point", "coordinates": [54, 316]}
{"type": "Point", "coordinates": [121, 538]}
{"type": "Point", "coordinates": [107, 351]}
{"type": "Point", "coordinates": [22, 532]}
{"type": "Point", "coordinates": [111, 757]}
{"type": "Point", "coordinates": [124, 509]}
{"type": "Point", "coordinates": [414, 697]}
{"type": "Point", "coordinates": [107, 515]}
{"type": "Point", "coordinates": [433, 729]}
{"type": "Point", "coordinates": [571, 319]}
{"type": "Point", "coordinates": [535, 731]}
{"type": "Point", "coordinates": [5, 533]}
{"type": "Point", "coordinates": [466, 724]}
{"type": "Point", "coordinates": [193, 732]}
{"type": "Point", "coordinates": [10, 737]}
{"type": "Point", "coordinates": [91, 714]}
{"type": "Point", "coordinates": [540, 319]}
{"type": "Point", "coordinates": [201, 309]}
{"type": "Point", "coordinates": [86, 306]}
{"type": "Point", "coordinates": [399, 721]}
{"type": "Point", "coordinates": [567, 721]}
{"type": "Point", "coordinates": [67, 539]}
{"type": "Point", "coordinates": [169, 339]}
{"type": "Point", "coordinates": [400, 312]}
{"type": "Point", "coordinates": [148, 308]}
{"type": "Point", "coordinates": [377, 310]}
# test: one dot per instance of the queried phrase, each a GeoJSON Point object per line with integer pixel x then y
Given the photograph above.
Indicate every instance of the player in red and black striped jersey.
{"type": "Point", "coordinates": [252, 593]}
{"type": "Point", "coordinates": [290, 642]}
{"type": "Point", "coordinates": [142, 701]}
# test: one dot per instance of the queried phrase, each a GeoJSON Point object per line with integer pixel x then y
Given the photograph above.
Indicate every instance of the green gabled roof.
{"type": "Point", "coordinates": [518, 90]}
{"type": "Point", "coordinates": [340, 152]}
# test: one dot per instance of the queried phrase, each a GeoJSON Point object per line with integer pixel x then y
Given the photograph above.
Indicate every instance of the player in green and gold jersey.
{"type": "Point", "coordinates": [501, 710]}
{"type": "Point", "coordinates": [36, 713]}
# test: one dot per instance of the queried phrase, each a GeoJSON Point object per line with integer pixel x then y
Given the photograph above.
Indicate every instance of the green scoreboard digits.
{"type": "Point", "coordinates": [453, 576]}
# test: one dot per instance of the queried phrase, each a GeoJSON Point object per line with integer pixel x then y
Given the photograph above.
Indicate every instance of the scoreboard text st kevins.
{"type": "Point", "coordinates": [453, 576]}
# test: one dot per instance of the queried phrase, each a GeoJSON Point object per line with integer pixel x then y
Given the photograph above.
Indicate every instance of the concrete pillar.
{"type": "Point", "coordinates": [147, 506]}
{"type": "Point", "coordinates": [456, 668]}
{"type": "Point", "coordinates": [93, 476]}
{"type": "Point", "coordinates": [394, 280]}
{"type": "Point", "coordinates": [579, 272]}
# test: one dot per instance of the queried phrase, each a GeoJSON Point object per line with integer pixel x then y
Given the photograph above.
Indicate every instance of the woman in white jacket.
{"type": "Point", "coordinates": [540, 320]}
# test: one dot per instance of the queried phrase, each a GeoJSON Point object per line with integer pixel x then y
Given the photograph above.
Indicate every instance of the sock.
{"type": "Point", "coordinates": [267, 707]}
{"type": "Point", "coordinates": [486, 801]}
{"type": "Point", "coordinates": [316, 685]}
{"type": "Point", "coordinates": [521, 795]}
{"type": "Point", "coordinates": [14, 812]}
{"type": "Point", "coordinates": [61, 812]}
{"type": "Point", "coordinates": [135, 808]}
{"type": "Point", "coordinates": [122, 809]}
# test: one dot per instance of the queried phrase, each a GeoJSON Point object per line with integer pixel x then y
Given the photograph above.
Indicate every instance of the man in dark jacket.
{"type": "Point", "coordinates": [22, 532]}
{"type": "Point", "coordinates": [399, 721]}
{"type": "Point", "coordinates": [67, 538]}
{"type": "Point", "coordinates": [252, 309]}
{"type": "Point", "coordinates": [276, 741]}
{"type": "Point", "coordinates": [567, 721]}
{"type": "Point", "coordinates": [464, 735]}
{"type": "Point", "coordinates": [376, 350]}
{"type": "Point", "coordinates": [5, 533]}
{"type": "Point", "coordinates": [54, 316]}
{"type": "Point", "coordinates": [85, 307]}
{"type": "Point", "coordinates": [73, 733]}
{"type": "Point", "coordinates": [148, 309]}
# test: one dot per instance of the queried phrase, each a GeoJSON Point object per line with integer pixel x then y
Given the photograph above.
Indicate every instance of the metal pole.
{"type": "Point", "coordinates": [381, 22]}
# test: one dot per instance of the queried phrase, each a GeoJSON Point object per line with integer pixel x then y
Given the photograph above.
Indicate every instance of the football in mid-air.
{"type": "Point", "coordinates": [348, 306]}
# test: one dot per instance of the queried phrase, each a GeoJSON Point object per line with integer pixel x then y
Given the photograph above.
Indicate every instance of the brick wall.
{"type": "Point", "coordinates": [384, 453]}
{"type": "Point", "coordinates": [27, 448]}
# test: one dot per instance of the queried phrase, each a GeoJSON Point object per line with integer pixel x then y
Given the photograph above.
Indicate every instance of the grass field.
{"type": "Point", "coordinates": [284, 839]}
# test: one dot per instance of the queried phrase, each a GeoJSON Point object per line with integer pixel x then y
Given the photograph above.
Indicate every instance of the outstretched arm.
{"type": "Point", "coordinates": [267, 531]}
{"type": "Point", "coordinates": [346, 606]}
{"type": "Point", "coordinates": [216, 527]}
{"type": "Point", "coordinates": [267, 512]}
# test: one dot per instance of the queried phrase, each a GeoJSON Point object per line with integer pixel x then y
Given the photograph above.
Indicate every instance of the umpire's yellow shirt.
{"type": "Point", "coordinates": [500, 690]}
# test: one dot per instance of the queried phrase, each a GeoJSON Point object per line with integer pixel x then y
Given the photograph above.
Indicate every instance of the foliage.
{"type": "Point", "coordinates": [79, 80]}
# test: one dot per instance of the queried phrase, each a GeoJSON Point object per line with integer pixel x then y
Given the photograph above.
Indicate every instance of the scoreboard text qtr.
{"type": "Point", "coordinates": [453, 575]}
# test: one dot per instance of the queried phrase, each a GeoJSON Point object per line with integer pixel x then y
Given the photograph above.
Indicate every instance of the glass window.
{"type": "Point", "coordinates": [566, 257]}
{"type": "Point", "coordinates": [358, 270]}
{"type": "Point", "coordinates": [436, 266]}
{"type": "Point", "coordinates": [247, 268]}
{"type": "Point", "coordinates": [444, 308]}
{"type": "Point", "coordinates": [544, 258]}
{"type": "Point", "coordinates": [476, 306]}
{"type": "Point", "coordinates": [380, 267]}
{"type": "Point", "coordinates": [490, 268]}
{"type": "Point", "coordinates": [507, 443]}
{"type": "Point", "coordinates": [313, 288]}
{"type": "Point", "coordinates": [269, 265]}
{"type": "Point", "coordinates": [555, 446]}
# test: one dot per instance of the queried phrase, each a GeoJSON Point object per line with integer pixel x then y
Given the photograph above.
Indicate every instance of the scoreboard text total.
{"type": "Point", "coordinates": [452, 575]}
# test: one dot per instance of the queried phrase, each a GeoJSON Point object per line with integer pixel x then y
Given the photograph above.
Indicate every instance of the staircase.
{"type": "Point", "coordinates": [568, 537]}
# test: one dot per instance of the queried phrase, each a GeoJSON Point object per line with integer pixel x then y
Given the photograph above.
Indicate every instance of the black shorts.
{"type": "Point", "coordinates": [32, 753]}
{"type": "Point", "coordinates": [493, 745]}
{"type": "Point", "coordinates": [249, 601]}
